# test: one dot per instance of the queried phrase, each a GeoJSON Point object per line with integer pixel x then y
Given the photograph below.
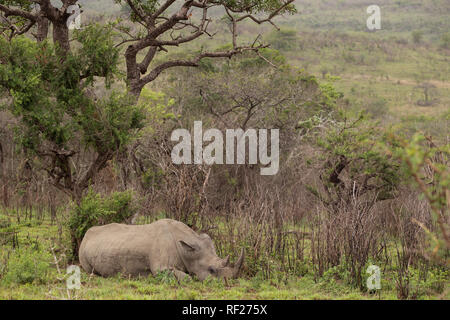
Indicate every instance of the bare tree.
{"type": "Point", "coordinates": [187, 23]}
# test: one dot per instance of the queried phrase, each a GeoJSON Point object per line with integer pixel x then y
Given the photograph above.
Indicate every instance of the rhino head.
{"type": "Point", "coordinates": [200, 259]}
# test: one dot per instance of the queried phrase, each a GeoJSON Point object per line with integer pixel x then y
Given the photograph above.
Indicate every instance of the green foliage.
{"type": "Point", "coordinates": [435, 282]}
{"type": "Point", "coordinates": [356, 148]}
{"type": "Point", "coordinates": [152, 177]}
{"type": "Point", "coordinates": [206, 65]}
{"type": "Point", "coordinates": [284, 39]}
{"type": "Point", "coordinates": [257, 6]}
{"type": "Point", "coordinates": [5, 222]}
{"type": "Point", "coordinates": [330, 95]}
{"type": "Point", "coordinates": [166, 277]}
{"type": "Point", "coordinates": [445, 40]}
{"type": "Point", "coordinates": [427, 165]}
{"type": "Point", "coordinates": [417, 36]}
{"type": "Point", "coordinates": [266, 54]}
{"type": "Point", "coordinates": [111, 123]}
{"type": "Point", "coordinates": [98, 55]}
{"type": "Point", "coordinates": [377, 108]}
{"type": "Point", "coordinates": [50, 101]}
{"type": "Point", "coordinates": [25, 5]}
{"type": "Point", "coordinates": [27, 265]}
{"type": "Point", "coordinates": [156, 105]}
{"type": "Point", "coordinates": [97, 210]}
{"type": "Point", "coordinates": [336, 273]}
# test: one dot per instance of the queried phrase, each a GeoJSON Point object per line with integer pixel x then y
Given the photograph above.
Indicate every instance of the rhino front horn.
{"type": "Point", "coordinates": [238, 265]}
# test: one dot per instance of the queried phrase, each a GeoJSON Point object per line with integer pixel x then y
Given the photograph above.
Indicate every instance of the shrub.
{"type": "Point", "coordinates": [284, 39]}
{"type": "Point", "coordinates": [417, 36]}
{"type": "Point", "coordinates": [445, 41]}
{"type": "Point", "coordinates": [377, 108]}
{"type": "Point", "coordinates": [5, 222]}
{"type": "Point", "coordinates": [27, 266]}
{"type": "Point", "coordinates": [354, 176]}
{"type": "Point", "coordinates": [97, 210]}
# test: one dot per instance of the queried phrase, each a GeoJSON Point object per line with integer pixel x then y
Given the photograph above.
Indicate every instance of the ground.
{"type": "Point", "coordinates": [41, 234]}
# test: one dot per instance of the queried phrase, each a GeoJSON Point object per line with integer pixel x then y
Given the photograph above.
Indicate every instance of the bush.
{"type": "Point", "coordinates": [96, 210]}
{"type": "Point", "coordinates": [5, 222]}
{"type": "Point", "coordinates": [355, 177]}
{"type": "Point", "coordinates": [27, 266]}
{"type": "Point", "coordinates": [284, 39]}
{"type": "Point", "coordinates": [445, 41]}
{"type": "Point", "coordinates": [417, 36]}
{"type": "Point", "coordinates": [377, 108]}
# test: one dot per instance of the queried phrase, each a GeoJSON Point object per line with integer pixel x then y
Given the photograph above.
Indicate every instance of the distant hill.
{"type": "Point", "coordinates": [100, 6]}
{"type": "Point", "coordinates": [398, 17]}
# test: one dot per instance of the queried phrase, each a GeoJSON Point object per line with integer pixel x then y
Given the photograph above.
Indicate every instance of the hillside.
{"type": "Point", "coordinates": [381, 71]}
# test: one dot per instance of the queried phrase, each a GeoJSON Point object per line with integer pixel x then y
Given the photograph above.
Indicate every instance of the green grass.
{"type": "Point", "coordinates": [156, 288]}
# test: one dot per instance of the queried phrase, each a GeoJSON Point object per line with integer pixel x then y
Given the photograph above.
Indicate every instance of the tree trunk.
{"type": "Point", "coordinates": [42, 32]}
{"type": "Point", "coordinates": [134, 89]}
{"type": "Point", "coordinates": [61, 35]}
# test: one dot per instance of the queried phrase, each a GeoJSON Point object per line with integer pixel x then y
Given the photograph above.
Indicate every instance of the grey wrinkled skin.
{"type": "Point", "coordinates": [140, 250]}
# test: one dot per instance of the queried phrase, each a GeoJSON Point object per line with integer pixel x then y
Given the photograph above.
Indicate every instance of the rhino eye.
{"type": "Point", "coordinates": [212, 270]}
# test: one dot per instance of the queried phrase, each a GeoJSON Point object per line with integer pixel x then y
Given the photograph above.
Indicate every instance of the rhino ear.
{"type": "Point", "coordinates": [188, 247]}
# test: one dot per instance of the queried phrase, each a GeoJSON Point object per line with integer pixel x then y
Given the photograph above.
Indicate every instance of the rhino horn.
{"type": "Point", "coordinates": [226, 262]}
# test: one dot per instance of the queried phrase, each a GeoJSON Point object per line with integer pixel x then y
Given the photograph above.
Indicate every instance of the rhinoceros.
{"type": "Point", "coordinates": [141, 250]}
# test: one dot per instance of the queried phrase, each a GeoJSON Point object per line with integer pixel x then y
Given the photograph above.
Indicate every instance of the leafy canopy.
{"type": "Point", "coordinates": [49, 94]}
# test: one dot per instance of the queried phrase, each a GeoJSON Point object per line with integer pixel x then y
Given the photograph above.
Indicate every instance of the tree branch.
{"type": "Point", "coordinates": [17, 12]}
